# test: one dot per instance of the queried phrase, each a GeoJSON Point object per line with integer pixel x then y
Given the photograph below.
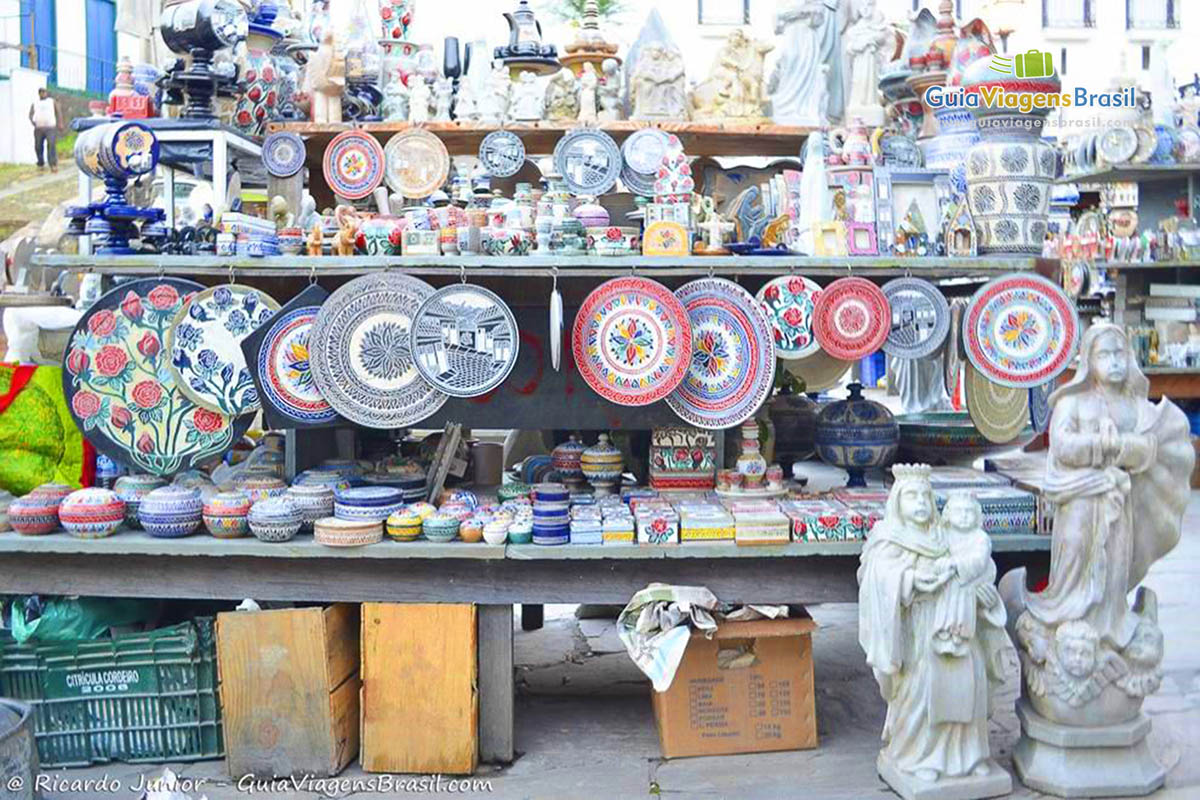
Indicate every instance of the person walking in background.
{"type": "Point", "coordinates": [47, 122]}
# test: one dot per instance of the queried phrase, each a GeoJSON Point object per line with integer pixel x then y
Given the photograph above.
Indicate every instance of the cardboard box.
{"type": "Point", "coordinates": [761, 700]}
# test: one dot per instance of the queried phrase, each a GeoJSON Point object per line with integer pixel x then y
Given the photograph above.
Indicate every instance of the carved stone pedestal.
{"type": "Point", "coordinates": [969, 787]}
{"type": "Point", "coordinates": [1112, 761]}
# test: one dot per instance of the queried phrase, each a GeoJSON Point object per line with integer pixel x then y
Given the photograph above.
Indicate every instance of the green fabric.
{"type": "Point", "coordinates": [39, 441]}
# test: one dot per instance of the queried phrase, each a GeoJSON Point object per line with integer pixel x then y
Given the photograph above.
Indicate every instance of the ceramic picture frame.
{"type": "Point", "coordinates": [829, 239]}
{"type": "Point", "coordinates": [896, 189]}
{"type": "Point", "coordinates": [420, 243]}
{"type": "Point", "coordinates": [665, 238]}
{"type": "Point", "coordinates": [860, 239]}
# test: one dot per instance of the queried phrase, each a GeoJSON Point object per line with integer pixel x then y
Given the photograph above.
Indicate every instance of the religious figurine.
{"type": "Point", "coordinates": [589, 81]}
{"type": "Point", "coordinates": [932, 626]}
{"type": "Point", "coordinates": [1187, 109]}
{"type": "Point", "coordinates": [658, 85]}
{"type": "Point", "coordinates": [493, 105]}
{"type": "Point", "coordinates": [868, 41]}
{"type": "Point", "coordinates": [279, 212]}
{"type": "Point", "coordinates": [610, 90]}
{"type": "Point", "coordinates": [316, 239]}
{"type": "Point", "coordinates": [816, 202]}
{"type": "Point", "coordinates": [528, 100]}
{"type": "Point", "coordinates": [443, 92]}
{"type": "Point", "coordinates": [810, 34]}
{"type": "Point", "coordinates": [348, 223]}
{"type": "Point", "coordinates": [734, 87]}
{"type": "Point", "coordinates": [562, 97]}
{"type": "Point", "coordinates": [395, 101]}
{"type": "Point", "coordinates": [325, 77]}
{"type": "Point", "coordinates": [420, 98]}
{"type": "Point", "coordinates": [1118, 476]}
{"type": "Point", "coordinates": [714, 227]}
{"type": "Point", "coordinates": [466, 105]}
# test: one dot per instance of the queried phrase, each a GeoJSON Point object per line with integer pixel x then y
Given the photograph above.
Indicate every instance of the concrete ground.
{"type": "Point", "coordinates": [585, 728]}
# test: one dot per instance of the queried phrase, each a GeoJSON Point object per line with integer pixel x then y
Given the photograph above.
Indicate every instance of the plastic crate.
{"type": "Point", "coordinates": [146, 697]}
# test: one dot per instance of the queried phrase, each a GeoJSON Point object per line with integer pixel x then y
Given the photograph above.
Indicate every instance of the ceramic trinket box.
{"type": "Point", "coordinates": [225, 515]}
{"type": "Point", "coordinates": [275, 519]}
{"type": "Point", "coordinates": [170, 512]}
{"type": "Point", "coordinates": [91, 513]}
{"type": "Point", "coordinates": [131, 489]}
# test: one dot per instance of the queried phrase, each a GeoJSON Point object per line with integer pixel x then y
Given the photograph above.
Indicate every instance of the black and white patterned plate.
{"type": "Point", "coordinates": [464, 340]}
{"type": "Point", "coordinates": [920, 318]}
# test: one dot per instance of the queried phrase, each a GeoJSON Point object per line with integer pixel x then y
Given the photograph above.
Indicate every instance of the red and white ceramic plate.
{"type": "Point", "coordinates": [353, 164]}
{"type": "Point", "coordinates": [632, 341]}
{"type": "Point", "coordinates": [788, 302]}
{"type": "Point", "coordinates": [852, 318]}
{"type": "Point", "coordinates": [1021, 330]}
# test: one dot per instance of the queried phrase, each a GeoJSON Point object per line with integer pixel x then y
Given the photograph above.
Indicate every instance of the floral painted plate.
{"type": "Point", "coordinates": [1000, 413]}
{"type": "Point", "coordinates": [732, 368]}
{"type": "Point", "coordinates": [852, 318]}
{"type": "Point", "coordinates": [464, 340]}
{"type": "Point", "coordinates": [353, 164]}
{"type": "Point", "coordinates": [632, 341]}
{"type": "Point", "coordinates": [361, 355]}
{"type": "Point", "coordinates": [205, 343]}
{"type": "Point", "coordinates": [1021, 330]}
{"type": "Point", "coordinates": [278, 356]}
{"type": "Point", "coordinates": [417, 163]}
{"type": "Point", "coordinates": [122, 392]}
{"type": "Point", "coordinates": [920, 318]}
{"type": "Point", "coordinates": [789, 302]}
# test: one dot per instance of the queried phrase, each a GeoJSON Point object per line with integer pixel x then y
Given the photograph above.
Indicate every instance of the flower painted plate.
{"type": "Point", "coordinates": [464, 340]}
{"type": "Point", "coordinates": [283, 153]}
{"type": "Point", "coordinates": [417, 163]}
{"type": "Point", "coordinates": [361, 355]}
{"type": "Point", "coordinates": [588, 160]}
{"type": "Point", "coordinates": [920, 318]}
{"type": "Point", "coordinates": [852, 318]}
{"type": "Point", "coordinates": [1000, 413]}
{"type": "Point", "coordinates": [502, 154]}
{"type": "Point", "coordinates": [732, 368]}
{"type": "Point", "coordinates": [1021, 330]}
{"type": "Point", "coordinates": [353, 164]}
{"type": "Point", "coordinates": [122, 392]}
{"type": "Point", "coordinates": [789, 302]}
{"type": "Point", "coordinates": [205, 345]}
{"type": "Point", "coordinates": [278, 356]}
{"type": "Point", "coordinates": [632, 341]}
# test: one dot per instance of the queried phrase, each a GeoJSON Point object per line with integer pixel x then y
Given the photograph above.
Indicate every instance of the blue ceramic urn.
{"type": "Point", "coordinates": [856, 434]}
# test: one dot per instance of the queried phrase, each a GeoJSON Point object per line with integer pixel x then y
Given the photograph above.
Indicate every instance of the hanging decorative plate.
{"type": "Point", "coordinates": [360, 352]}
{"type": "Point", "coordinates": [920, 318]}
{"type": "Point", "coordinates": [205, 346]}
{"type": "Point", "coordinates": [1021, 330]}
{"type": "Point", "coordinates": [417, 163]}
{"type": "Point", "coordinates": [353, 164]}
{"type": "Point", "coordinates": [851, 318]}
{"type": "Point", "coordinates": [732, 368]}
{"type": "Point", "coordinates": [641, 155]}
{"type": "Point", "coordinates": [632, 341]}
{"type": "Point", "coordinates": [283, 153]}
{"type": "Point", "coordinates": [1147, 143]}
{"type": "Point", "coordinates": [121, 391]}
{"type": "Point", "coordinates": [464, 340]}
{"type": "Point", "coordinates": [674, 180]}
{"type": "Point", "coordinates": [1117, 145]}
{"type": "Point", "coordinates": [588, 160]}
{"type": "Point", "coordinates": [1039, 406]}
{"type": "Point", "coordinates": [789, 302]}
{"type": "Point", "coordinates": [502, 154]}
{"type": "Point", "coordinates": [820, 371]}
{"type": "Point", "coordinates": [999, 412]}
{"type": "Point", "coordinates": [278, 356]}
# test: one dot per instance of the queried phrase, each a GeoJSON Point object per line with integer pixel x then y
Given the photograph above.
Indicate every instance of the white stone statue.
{"type": "Point", "coordinates": [466, 105]}
{"type": "Point", "coordinates": [868, 41]}
{"type": "Point", "coordinates": [443, 93]}
{"type": "Point", "coordinates": [658, 85]}
{"type": "Point", "coordinates": [932, 626]}
{"type": "Point", "coordinates": [562, 97]}
{"type": "Point", "coordinates": [493, 104]}
{"type": "Point", "coordinates": [1118, 476]}
{"type": "Point", "coordinates": [395, 101]}
{"type": "Point", "coordinates": [589, 82]}
{"type": "Point", "coordinates": [610, 91]}
{"type": "Point", "coordinates": [809, 34]}
{"type": "Point", "coordinates": [419, 100]}
{"type": "Point", "coordinates": [325, 80]}
{"type": "Point", "coordinates": [734, 87]}
{"type": "Point", "coordinates": [528, 99]}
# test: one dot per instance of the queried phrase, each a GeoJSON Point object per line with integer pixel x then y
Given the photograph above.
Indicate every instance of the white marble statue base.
{"type": "Point", "coordinates": [1113, 761]}
{"type": "Point", "coordinates": [970, 787]}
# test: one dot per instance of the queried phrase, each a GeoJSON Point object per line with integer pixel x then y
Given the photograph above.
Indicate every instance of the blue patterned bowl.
{"type": "Point", "coordinates": [170, 512]}
{"type": "Point", "coordinates": [856, 434]}
{"type": "Point", "coordinates": [275, 519]}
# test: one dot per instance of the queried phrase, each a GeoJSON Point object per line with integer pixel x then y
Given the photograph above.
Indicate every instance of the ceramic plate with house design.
{"type": "Point", "coordinates": [464, 340]}
{"type": "Point", "coordinates": [920, 318]}
{"type": "Point", "coordinates": [632, 341]}
{"type": "Point", "coordinates": [353, 164]}
{"type": "Point", "coordinates": [123, 394]}
{"type": "Point", "coordinates": [205, 346]}
{"type": "Point", "coordinates": [502, 154]}
{"type": "Point", "coordinates": [417, 163]}
{"type": "Point", "coordinates": [789, 302]}
{"type": "Point", "coordinates": [361, 353]}
{"type": "Point", "coordinates": [588, 160]}
{"type": "Point", "coordinates": [732, 368]}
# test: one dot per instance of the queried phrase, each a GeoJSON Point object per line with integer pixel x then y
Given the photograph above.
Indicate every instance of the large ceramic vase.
{"type": "Point", "coordinates": [258, 103]}
{"type": "Point", "coordinates": [857, 434]}
{"type": "Point", "coordinates": [1011, 169]}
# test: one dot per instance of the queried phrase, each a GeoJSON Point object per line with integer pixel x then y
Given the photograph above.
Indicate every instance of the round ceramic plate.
{"type": "Point", "coordinates": [588, 160]}
{"type": "Point", "coordinates": [851, 318]}
{"type": "Point", "coordinates": [999, 412]}
{"type": "Point", "coordinates": [1147, 144]}
{"type": "Point", "coordinates": [920, 318]}
{"type": "Point", "coordinates": [464, 340]}
{"type": "Point", "coordinates": [820, 371]}
{"type": "Point", "coordinates": [205, 345]}
{"type": "Point", "coordinates": [1117, 145]}
{"type": "Point", "coordinates": [121, 391]}
{"type": "Point", "coordinates": [502, 154]}
{"type": "Point", "coordinates": [417, 163]}
{"type": "Point", "coordinates": [1021, 330]}
{"type": "Point", "coordinates": [353, 164]}
{"type": "Point", "coordinates": [789, 302]}
{"type": "Point", "coordinates": [283, 153]}
{"type": "Point", "coordinates": [732, 368]}
{"type": "Point", "coordinates": [1039, 406]}
{"type": "Point", "coordinates": [632, 341]}
{"type": "Point", "coordinates": [361, 356]}
{"type": "Point", "coordinates": [642, 154]}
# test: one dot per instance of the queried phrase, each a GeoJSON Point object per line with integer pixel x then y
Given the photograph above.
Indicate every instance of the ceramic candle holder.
{"type": "Point", "coordinates": [91, 513]}
{"type": "Point", "coordinates": [170, 512]}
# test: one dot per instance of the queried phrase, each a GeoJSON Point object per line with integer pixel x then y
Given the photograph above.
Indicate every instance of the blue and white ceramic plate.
{"type": "Point", "coordinates": [361, 352]}
{"type": "Point", "coordinates": [283, 153]}
{"type": "Point", "coordinates": [1039, 406]}
{"type": "Point", "coordinates": [502, 154]}
{"type": "Point", "coordinates": [920, 318]}
{"type": "Point", "coordinates": [464, 340]}
{"type": "Point", "coordinates": [588, 160]}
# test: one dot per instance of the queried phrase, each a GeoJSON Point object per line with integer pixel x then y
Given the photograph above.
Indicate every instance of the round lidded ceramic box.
{"type": "Point", "coordinates": [55, 490]}
{"type": "Point", "coordinates": [260, 487]}
{"type": "Point", "coordinates": [440, 527]}
{"type": "Point", "coordinates": [225, 515]}
{"type": "Point", "coordinates": [170, 512]}
{"type": "Point", "coordinates": [5, 501]}
{"type": "Point", "coordinates": [334, 532]}
{"type": "Point", "coordinates": [131, 489]}
{"type": "Point", "coordinates": [471, 530]}
{"type": "Point", "coordinates": [275, 519]}
{"type": "Point", "coordinates": [314, 501]}
{"type": "Point", "coordinates": [367, 503]}
{"type": "Point", "coordinates": [496, 531]}
{"type": "Point", "coordinates": [91, 513]}
{"type": "Point", "coordinates": [404, 525]}
{"type": "Point", "coordinates": [34, 514]}
{"type": "Point", "coordinates": [521, 531]}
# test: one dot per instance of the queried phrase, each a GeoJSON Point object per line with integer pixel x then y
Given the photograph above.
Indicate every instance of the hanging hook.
{"type": "Point", "coordinates": [312, 273]}
{"type": "Point", "coordinates": [162, 269]}
{"type": "Point", "coordinates": [554, 278]}
{"type": "Point", "coordinates": [231, 275]}
{"type": "Point", "coordinates": [462, 273]}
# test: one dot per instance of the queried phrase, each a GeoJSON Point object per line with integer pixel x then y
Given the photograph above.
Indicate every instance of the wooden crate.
{"type": "Point", "coordinates": [290, 689]}
{"type": "Point", "coordinates": [420, 707]}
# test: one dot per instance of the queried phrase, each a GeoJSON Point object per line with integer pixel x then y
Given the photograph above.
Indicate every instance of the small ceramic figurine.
{"type": "Point", "coordinates": [589, 81]}
{"type": "Point", "coordinates": [395, 101]}
{"type": "Point", "coordinates": [316, 239]}
{"type": "Point", "coordinates": [279, 212]}
{"type": "Point", "coordinates": [715, 228]}
{"type": "Point", "coordinates": [466, 106]}
{"type": "Point", "coordinates": [493, 105]}
{"type": "Point", "coordinates": [528, 100]}
{"type": "Point", "coordinates": [348, 222]}
{"type": "Point", "coordinates": [932, 627]}
{"type": "Point", "coordinates": [734, 87]}
{"type": "Point", "coordinates": [326, 79]}
{"type": "Point", "coordinates": [610, 90]}
{"type": "Point", "coordinates": [868, 42]}
{"type": "Point", "coordinates": [562, 97]}
{"type": "Point", "coordinates": [443, 92]}
{"type": "Point", "coordinates": [419, 100]}
{"type": "Point", "coordinates": [658, 85]}
{"type": "Point", "coordinates": [308, 212]}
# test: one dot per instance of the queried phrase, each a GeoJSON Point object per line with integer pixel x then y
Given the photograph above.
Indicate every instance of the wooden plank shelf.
{"type": "Point", "coordinates": [1118, 266]}
{"type": "Point", "coordinates": [1129, 173]}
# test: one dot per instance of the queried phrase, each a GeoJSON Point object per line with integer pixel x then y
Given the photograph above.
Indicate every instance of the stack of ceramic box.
{"type": "Point", "coordinates": [551, 514]}
{"type": "Point", "coordinates": [759, 522]}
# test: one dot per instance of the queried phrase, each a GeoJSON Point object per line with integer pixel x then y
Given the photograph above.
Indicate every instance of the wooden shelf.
{"type": "Point", "coordinates": [1130, 173]}
{"type": "Point", "coordinates": [699, 139]}
{"type": "Point", "coordinates": [1117, 266]}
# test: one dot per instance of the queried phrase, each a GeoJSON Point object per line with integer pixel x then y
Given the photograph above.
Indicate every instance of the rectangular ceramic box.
{"type": "Point", "coordinates": [705, 524]}
{"type": "Point", "coordinates": [761, 527]}
{"type": "Point", "coordinates": [821, 521]}
{"type": "Point", "coordinates": [1005, 510]}
{"type": "Point", "coordinates": [657, 526]}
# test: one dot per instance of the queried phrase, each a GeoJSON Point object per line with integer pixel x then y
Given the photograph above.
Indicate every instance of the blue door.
{"type": "Point", "coordinates": [37, 29]}
{"type": "Point", "coordinates": [101, 45]}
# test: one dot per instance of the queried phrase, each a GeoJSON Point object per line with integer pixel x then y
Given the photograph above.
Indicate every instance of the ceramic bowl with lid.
{"type": "Point", "coordinates": [315, 502]}
{"type": "Point", "coordinates": [367, 503]}
{"type": "Point", "coordinates": [275, 519]}
{"type": "Point", "coordinates": [260, 487]}
{"type": "Point", "coordinates": [521, 531]}
{"type": "Point", "coordinates": [496, 531]}
{"type": "Point", "coordinates": [334, 532]}
{"type": "Point", "coordinates": [5, 501]}
{"type": "Point", "coordinates": [225, 515]}
{"type": "Point", "coordinates": [170, 512]}
{"type": "Point", "coordinates": [34, 514]}
{"type": "Point", "coordinates": [404, 525]}
{"type": "Point", "coordinates": [91, 513]}
{"type": "Point", "coordinates": [131, 489]}
{"type": "Point", "coordinates": [440, 527]}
